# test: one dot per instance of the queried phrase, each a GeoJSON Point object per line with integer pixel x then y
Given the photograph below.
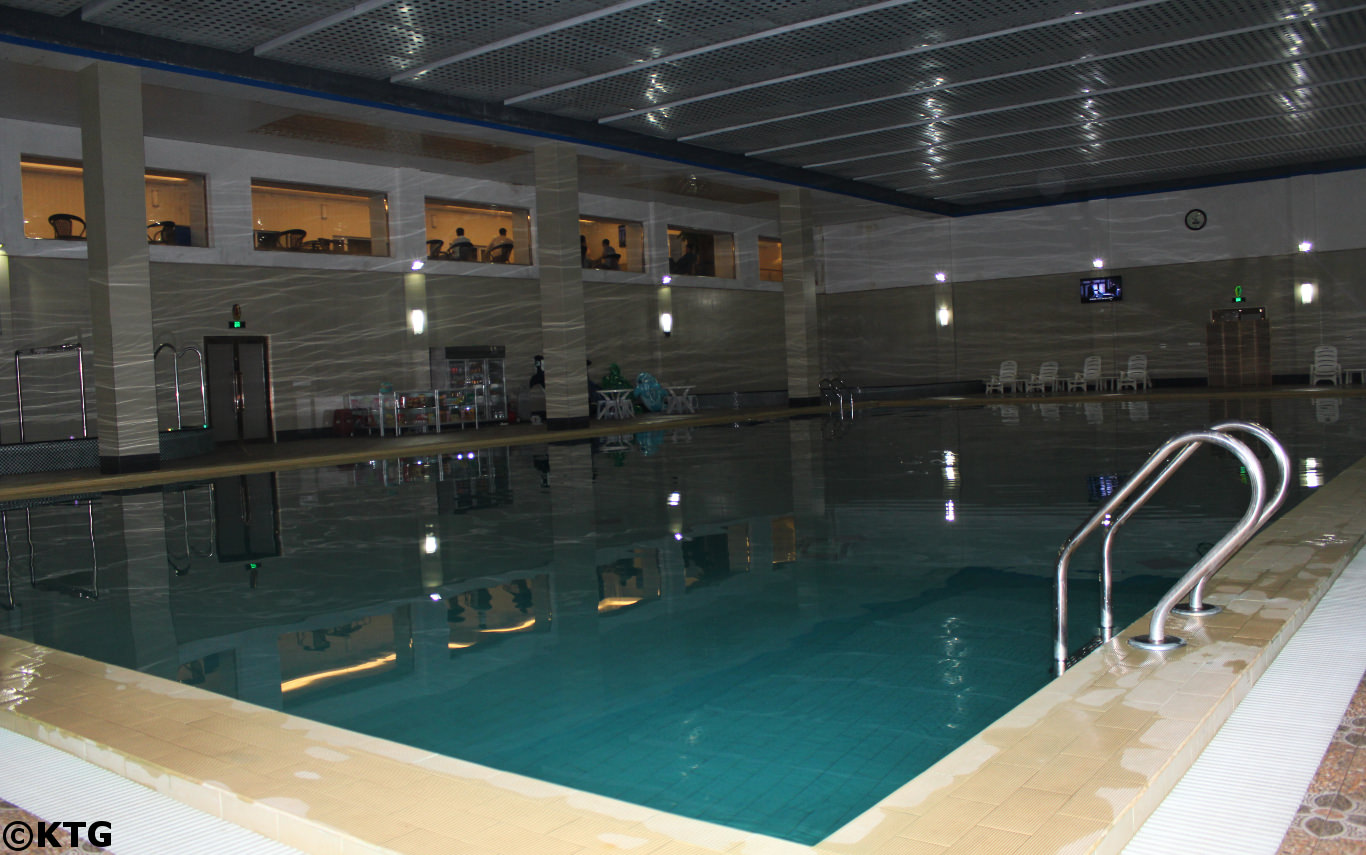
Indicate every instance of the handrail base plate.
{"type": "Point", "coordinates": [1145, 642]}
{"type": "Point", "coordinates": [1206, 610]}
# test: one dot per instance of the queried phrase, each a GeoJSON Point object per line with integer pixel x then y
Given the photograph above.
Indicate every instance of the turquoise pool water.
{"type": "Point", "coordinates": [770, 626]}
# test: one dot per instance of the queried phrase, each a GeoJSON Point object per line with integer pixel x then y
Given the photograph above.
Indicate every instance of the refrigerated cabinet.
{"type": "Point", "coordinates": [479, 371]}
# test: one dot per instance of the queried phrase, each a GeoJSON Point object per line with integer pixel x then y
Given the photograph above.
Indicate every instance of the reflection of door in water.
{"type": "Point", "coordinates": [238, 376]}
{"type": "Point", "coordinates": [247, 514]}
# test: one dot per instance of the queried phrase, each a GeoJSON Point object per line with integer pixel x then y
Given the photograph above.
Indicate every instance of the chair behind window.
{"type": "Point", "coordinates": [63, 226]}
{"type": "Point", "coordinates": [500, 254]}
{"type": "Point", "coordinates": [162, 231]}
{"type": "Point", "coordinates": [291, 239]}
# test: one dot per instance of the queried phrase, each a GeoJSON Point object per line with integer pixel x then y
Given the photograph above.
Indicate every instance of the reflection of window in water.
{"type": "Point", "coordinates": [629, 581]}
{"type": "Point", "coordinates": [478, 615]}
{"type": "Point", "coordinates": [345, 654]}
{"type": "Point", "coordinates": [712, 558]}
{"type": "Point", "coordinates": [216, 672]}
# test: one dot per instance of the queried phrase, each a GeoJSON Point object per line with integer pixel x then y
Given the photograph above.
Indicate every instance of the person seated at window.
{"type": "Point", "coordinates": [500, 248]}
{"type": "Point", "coordinates": [583, 252]}
{"type": "Point", "coordinates": [462, 248]}
{"type": "Point", "coordinates": [610, 258]}
{"type": "Point", "coordinates": [685, 264]}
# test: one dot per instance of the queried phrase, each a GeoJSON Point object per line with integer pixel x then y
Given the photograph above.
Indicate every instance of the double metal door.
{"type": "Point", "coordinates": [238, 372]}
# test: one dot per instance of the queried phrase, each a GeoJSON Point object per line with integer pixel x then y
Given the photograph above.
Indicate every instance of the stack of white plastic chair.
{"type": "Point", "coordinates": [1136, 374]}
{"type": "Point", "coordinates": [1045, 381]}
{"type": "Point", "coordinates": [1088, 377]}
{"type": "Point", "coordinates": [1326, 366]}
{"type": "Point", "coordinates": [1006, 377]}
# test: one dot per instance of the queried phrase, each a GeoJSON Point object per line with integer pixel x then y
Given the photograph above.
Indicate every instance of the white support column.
{"type": "Point", "coordinates": [120, 275]}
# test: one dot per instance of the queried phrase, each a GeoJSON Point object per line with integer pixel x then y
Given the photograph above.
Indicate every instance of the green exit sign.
{"type": "Point", "coordinates": [237, 325]}
{"type": "Point", "coordinates": [1237, 293]}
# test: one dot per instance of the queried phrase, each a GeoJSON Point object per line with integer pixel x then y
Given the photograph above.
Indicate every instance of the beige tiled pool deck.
{"type": "Point", "coordinates": [1074, 769]}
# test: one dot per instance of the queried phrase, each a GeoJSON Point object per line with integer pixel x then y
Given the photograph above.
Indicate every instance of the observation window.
{"type": "Point", "coordinates": [54, 203]}
{"type": "Point", "coordinates": [308, 218]}
{"type": "Point", "coordinates": [770, 259]}
{"type": "Point", "coordinates": [695, 252]}
{"type": "Point", "coordinates": [466, 231]}
{"type": "Point", "coordinates": [608, 244]}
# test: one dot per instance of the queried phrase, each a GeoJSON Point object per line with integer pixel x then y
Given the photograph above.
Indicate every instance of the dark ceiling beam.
{"type": "Point", "coordinates": [83, 38]}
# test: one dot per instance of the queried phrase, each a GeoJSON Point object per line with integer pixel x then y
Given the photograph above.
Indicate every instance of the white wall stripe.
{"type": "Point", "coordinates": [1242, 793]}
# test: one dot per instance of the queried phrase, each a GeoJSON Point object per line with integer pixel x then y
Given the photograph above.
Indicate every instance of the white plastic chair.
{"type": "Point", "coordinates": [1136, 374]}
{"type": "Point", "coordinates": [1326, 366]}
{"type": "Point", "coordinates": [1045, 380]}
{"type": "Point", "coordinates": [1006, 376]}
{"type": "Point", "coordinates": [1088, 376]}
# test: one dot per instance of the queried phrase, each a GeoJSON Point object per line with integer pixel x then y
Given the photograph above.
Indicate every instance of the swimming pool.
{"type": "Point", "coordinates": [823, 629]}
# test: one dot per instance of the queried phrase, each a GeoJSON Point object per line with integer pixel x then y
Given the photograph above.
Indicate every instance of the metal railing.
{"type": "Point", "coordinates": [175, 371]}
{"type": "Point", "coordinates": [1140, 487]}
{"type": "Point", "coordinates": [172, 560]}
{"type": "Point", "coordinates": [834, 388]}
{"type": "Point", "coordinates": [47, 351]}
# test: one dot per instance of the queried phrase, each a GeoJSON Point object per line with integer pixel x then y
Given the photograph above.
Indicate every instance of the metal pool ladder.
{"type": "Point", "coordinates": [1145, 482]}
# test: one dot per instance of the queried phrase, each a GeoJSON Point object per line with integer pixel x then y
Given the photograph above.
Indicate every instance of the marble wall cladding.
{"type": "Point", "coordinates": [1249, 220]}
{"type": "Point", "coordinates": [722, 340]}
{"type": "Point", "coordinates": [890, 337]}
{"type": "Point", "coordinates": [466, 311]}
{"type": "Point", "coordinates": [49, 305]}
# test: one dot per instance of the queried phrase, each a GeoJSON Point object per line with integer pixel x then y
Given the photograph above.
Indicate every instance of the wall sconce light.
{"type": "Point", "coordinates": [430, 544]}
{"type": "Point", "coordinates": [417, 321]}
{"type": "Point", "coordinates": [1306, 245]}
{"type": "Point", "coordinates": [1307, 292]}
{"type": "Point", "coordinates": [941, 276]}
{"type": "Point", "coordinates": [418, 264]}
{"type": "Point", "coordinates": [322, 210]}
{"type": "Point", "coordinates": [945, 316]}
{"type": "Point", "coordinates": [665, 299]}
{"type": "Point", "coordinates": [1098, 263]}
{"type": "Point", "coordinates": [156, 198]}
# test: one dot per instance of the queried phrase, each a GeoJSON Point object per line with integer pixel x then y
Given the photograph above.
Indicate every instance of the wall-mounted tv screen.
{"type": "Point", "coordinates": [1106, 289]}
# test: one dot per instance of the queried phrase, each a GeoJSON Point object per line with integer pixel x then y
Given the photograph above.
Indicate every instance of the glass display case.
{"type": "Point", "coordinates": [478, 374]}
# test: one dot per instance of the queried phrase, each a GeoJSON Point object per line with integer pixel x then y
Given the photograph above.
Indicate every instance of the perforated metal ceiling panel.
{"type": "Point", "coordinates": [968, 104]}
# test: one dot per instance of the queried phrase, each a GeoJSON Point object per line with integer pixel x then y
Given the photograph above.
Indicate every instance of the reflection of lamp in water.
{"type": "Point", "coordinates": [1310, 477]}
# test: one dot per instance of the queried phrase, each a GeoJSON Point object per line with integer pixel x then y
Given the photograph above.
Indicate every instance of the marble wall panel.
{"type": "Point", "coordinates": [330, 332]}
{"type": "Point", "coordinates": [722, 340]}
{"type": "Point", "coordinates": [49, 305]}
{"type": "Point", "coordinates": [887, 337]}
{"type": "Point", "coordinates": [1248, 220]}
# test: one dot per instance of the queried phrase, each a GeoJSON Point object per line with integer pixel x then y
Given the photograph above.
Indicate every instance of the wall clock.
{"type": "Point", "coordinates": [1196, 219]}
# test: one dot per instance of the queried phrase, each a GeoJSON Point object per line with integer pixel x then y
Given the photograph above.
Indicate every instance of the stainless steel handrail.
{"type": "Point", "coordinates": [175, 371]}
{"type": "Point", "coordinates": [1162, 465]}
{"type": "Point", "coordinates": [837, 388]}
{"type": "Point", "coordinates": [44, 351]}
{"type": "Point", "coordinates": [203, 384]}
{"type": "Point", "coordinates": [1197, 606]}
